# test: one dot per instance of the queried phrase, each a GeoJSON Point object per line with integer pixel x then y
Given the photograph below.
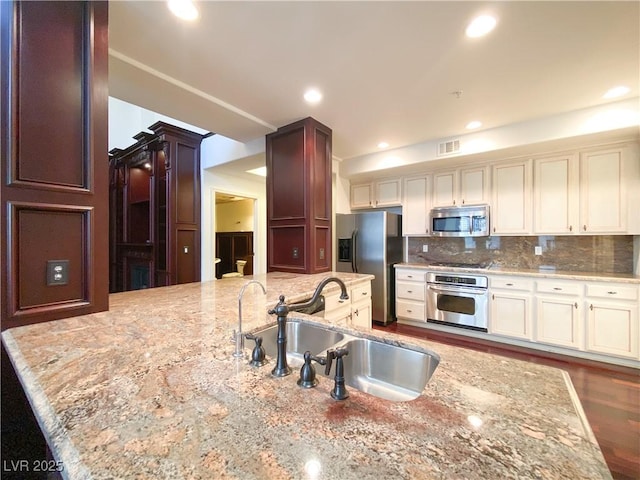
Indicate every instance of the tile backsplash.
{"type": "Point", "coordinates": [580, 253]}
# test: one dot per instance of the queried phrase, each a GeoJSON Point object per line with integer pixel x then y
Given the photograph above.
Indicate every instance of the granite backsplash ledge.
{"type": "Point", "coordinates": [583, 253]}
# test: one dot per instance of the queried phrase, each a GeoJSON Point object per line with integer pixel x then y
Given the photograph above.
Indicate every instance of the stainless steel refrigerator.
{"type": "Point", "coordinates": [371, 242]}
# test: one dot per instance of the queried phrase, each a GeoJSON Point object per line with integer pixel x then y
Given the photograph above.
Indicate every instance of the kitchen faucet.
{"type": "Point", "coordinates": [282, 369]}
{"type": "Point", "coordinates": [238, 336]}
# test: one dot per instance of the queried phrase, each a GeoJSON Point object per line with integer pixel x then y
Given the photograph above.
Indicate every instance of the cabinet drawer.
{"type": "Point", "coordinates": [411, 275]}
{"type": "Point", "coordinates": [333, 302]}
{"type": "Point", "coordinates": [562, 288]}
{"type": "Point", "coordinates": [361, 292]}
{"type": "Point", "coordinates": [411, 310]}
{"type": "Point", "coordinates": [511, 283]}
{"type": "Point", "coordinates": [613, 291]}
{"type": "Point", "coordinates": [339, 313]}
{"type": "Point", "coordinates": [411, 291]}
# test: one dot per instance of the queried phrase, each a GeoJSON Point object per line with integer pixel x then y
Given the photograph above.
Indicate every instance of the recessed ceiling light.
{"type": "Point", "coordinates": [617, 92]}
{"type": "Point", "coordinates": [473, 125]}
{"type": "Point", "coordinates": [480, 26]}
{"type": "Point", "coordinates": [184, 9]}
{"type": "Point", "coordinates": [261, 171]}
{"type": "Point", "coordinates": [312, 96]}
{"type": "Point", "coordinates": [383, 145]}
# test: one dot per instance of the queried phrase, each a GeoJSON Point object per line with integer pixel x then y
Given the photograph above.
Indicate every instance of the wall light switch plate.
{"type": "Point", "coordinates": [538, 250]}
{"type": "Point", "coordinates": [425, 248]}
{"type": "Point", "coordinates": [57, 272]}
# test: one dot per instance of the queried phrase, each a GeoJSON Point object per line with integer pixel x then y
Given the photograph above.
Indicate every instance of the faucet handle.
{"type": "Point", "coordinates": [308, 372]}
{"type": "Point", "coordinates": [281, 309]}
{"type": "Point", "coordinates": [258, 354]}
{"type": "Point", "coordinates": [339, 391]}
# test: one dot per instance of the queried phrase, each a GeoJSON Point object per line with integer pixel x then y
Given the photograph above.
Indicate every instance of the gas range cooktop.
{"type": "Point", "coordinates": [460, 265]}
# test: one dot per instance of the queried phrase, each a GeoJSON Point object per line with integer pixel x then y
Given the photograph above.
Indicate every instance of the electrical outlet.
{"type": "Point", "coordinates": [425, 248]}
{"type": "Point", "coordinates": [57, 272]}
{"type": "Point", "coordinates": [322, 254]}
{"type": "Point", "coordinates": [296, 252]}
{"type": "Point", "coordinates": [538, 250]}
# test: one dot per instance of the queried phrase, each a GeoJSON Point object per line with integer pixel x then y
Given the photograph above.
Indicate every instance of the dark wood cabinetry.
{"type": "Point", "coordinates": [54, 60]}
{"type": "Point", "coordinates": [299, 198]}
{"type": "Point", "coordinates": [231, 247]}
{"type": "Point", "coordinates": [154, 235]}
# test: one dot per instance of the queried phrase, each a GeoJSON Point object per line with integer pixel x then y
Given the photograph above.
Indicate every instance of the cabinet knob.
{"type": "Point", "coordinates": [454, 202]}
{"type": "Point", "coordinates": [463, 202]}
{"type": "Point", "coordinates": [494, 229]}
{"type": "Point", "coordinates": [591, 307]}
{"type": "Point", "coordinates": [571, 228]}
{"type": "Point", "coordinates": [584, 227]}
{"type": "Point", "coordinates": [575, 304]}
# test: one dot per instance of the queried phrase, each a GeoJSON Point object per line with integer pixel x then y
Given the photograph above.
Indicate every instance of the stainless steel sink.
{"type": "Point", "coordinates": [388, 371]}
{"type": "Point", "coordinates": [300, 338]}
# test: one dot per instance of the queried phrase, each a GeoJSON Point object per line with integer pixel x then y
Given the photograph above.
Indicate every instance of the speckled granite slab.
{"type": "Point", "coordinates": [150, 390]}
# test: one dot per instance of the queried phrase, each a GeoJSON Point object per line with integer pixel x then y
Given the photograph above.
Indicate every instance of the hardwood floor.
{"type": "Point", "coordinates": [610, 395]}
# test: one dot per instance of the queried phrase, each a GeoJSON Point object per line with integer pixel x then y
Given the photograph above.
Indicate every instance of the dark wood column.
{"type": "Point", "coordinates": [299, 198]}
{"type": "Point", "coordinates": [54, 83]}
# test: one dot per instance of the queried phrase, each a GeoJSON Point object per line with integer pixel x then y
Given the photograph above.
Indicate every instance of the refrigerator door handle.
{"type": "Point", "coordinates": [354, 251]}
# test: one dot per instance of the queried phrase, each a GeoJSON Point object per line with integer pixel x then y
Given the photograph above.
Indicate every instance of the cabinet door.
{"type": "Point", "coordinates": [511, 212]}
{"type": "Point", "coordinates": [361, 314]}
{"type": "Point", "coordinates": [612, 328]}
{"type": "Point", "coordinates": [556, 195]}
{"type": "Point", "coordinates": [362, 195]}
{"type": "Point", "coordinates": [510, 315]}
{"type": "Point", "coordinates": [602, 193]}
{"type": "Point", "coordinates": [415, 208]}
{"type": "Point", "coordinates": [388, 193]}
{"type": "Point", "coordinates": [559, 321]}
{"type": "Point", "coordinates": [444, 189]}
{"type": "Point", "coordinates": [473, 186]}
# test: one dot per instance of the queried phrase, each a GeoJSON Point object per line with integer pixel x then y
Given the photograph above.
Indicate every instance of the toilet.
{"type": "Point", "coordinates": [240, 270]}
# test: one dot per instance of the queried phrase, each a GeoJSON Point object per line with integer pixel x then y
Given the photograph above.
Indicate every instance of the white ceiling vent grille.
{"type": "Point", "coordinates": [447, 148]}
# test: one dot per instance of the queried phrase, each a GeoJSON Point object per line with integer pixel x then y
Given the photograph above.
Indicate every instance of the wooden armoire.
{"type": "Point", "coordinates": [298, 158]}
{"type": "Point", "coordinates": [154, 210]}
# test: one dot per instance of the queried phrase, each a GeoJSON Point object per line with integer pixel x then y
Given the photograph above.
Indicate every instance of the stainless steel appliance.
{"type": "Point", "coordinates": [465, 221]}
{"type": "Point", "coordinates": [371, 242]}
{"type": "Point", "coordinates": [459, 300]}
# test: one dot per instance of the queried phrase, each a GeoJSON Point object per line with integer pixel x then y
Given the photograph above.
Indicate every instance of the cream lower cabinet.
{"type": "Point", "coordinates": [559, 316]}
{"type": "Point", "coordinates": [510, 307]}
{"type": "Point", "coordinates": [612, 319]}
{"type": "Point", "coordinates": [411, 293]}
{"type": "Point", "coordinates": [356, 310]}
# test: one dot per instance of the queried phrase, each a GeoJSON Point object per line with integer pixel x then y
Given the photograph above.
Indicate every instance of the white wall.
{"type": "Point", "coordinates": [213, 180]}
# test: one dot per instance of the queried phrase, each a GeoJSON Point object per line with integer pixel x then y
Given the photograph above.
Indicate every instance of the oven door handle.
{"type": "Point", "coordinates": [454, 290]}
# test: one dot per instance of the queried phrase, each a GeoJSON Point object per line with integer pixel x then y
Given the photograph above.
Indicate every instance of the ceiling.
{"type": "Point", "coordinates": [387, 70]}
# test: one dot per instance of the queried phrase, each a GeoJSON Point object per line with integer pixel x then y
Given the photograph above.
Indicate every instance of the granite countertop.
{"type": "Point", "coordinates": [150, 389]}
{"type": "Point", "coordinates": [540, 273]}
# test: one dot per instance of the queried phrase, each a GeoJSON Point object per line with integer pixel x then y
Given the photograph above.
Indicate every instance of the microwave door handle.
{"type": "Point", "coordinates": [354, 251]}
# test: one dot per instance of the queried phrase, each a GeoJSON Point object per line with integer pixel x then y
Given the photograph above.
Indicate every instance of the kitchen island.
{"type": "Point", "coordinates": [150, 389]}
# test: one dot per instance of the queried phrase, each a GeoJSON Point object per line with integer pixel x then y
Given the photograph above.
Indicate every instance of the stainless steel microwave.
{"type": "Point", "coordinates": [464, 221]}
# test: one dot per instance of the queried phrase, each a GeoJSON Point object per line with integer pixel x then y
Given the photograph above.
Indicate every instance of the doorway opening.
{"type": "Point", "coordinates": [234, 234]}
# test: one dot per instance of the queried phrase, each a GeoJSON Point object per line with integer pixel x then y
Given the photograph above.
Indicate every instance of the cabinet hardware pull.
{"type": "Point", "coordinates": [571, 228]}
{"type": "Point", "coordinates": [340, 301]}
{"type": "Point", "coordinates": [584, 227]}
{"type": "Point", "coordinates": [364, 294]}
{"type": "Point", "coordinates": [494, 229]}
{"type": "Point", "coordinates": [454, 202]}
{"type": "Point", "coordinates": [612, 293]}
{"type": "Point", "coordinates": [509, 284]}
{"type": "Point", "coordinates": [493, 296]}
{"type": "Point", "coordinates": [557, 288]}
{"type": "Point", "coordinates": [409, 291]}
{"type": "Point", "coordinates": [356, 312]}
{"type": "Point", "coordinates": [575, 304]}
{"type": "Point", "coordinates": [591, 307]}
{"type": "Point", "coordinates": [409, 311]}
{"type": "Point", "coordinates": [410, 276]}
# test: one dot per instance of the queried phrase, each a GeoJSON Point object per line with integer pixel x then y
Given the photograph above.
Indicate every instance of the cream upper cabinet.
{"type": "Point", "coordinates": [555, 189]}
{"type": "Point", "coordinates": [464, 186]}
{"type": "Point", "coordinates": [511, 206]}
{"type": "Point", "coordinates": [416, 205]}
{"type": "Point", "coordinates": [381, 193]}
{"type": "Point", "coordinates": [609, 186]}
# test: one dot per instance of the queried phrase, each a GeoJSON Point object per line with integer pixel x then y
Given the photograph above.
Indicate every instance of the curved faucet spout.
{"type": "Point", "coordinates": [239, 337]}
{"type": "Point", "coordinates": [343, 294]}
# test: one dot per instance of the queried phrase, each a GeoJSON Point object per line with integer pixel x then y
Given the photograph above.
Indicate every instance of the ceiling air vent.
{"type": "Point", "coordinates": [447, 148]}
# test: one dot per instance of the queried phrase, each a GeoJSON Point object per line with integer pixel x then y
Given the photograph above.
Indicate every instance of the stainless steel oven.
{"type": "Point", "coordinates": [459, 300]}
